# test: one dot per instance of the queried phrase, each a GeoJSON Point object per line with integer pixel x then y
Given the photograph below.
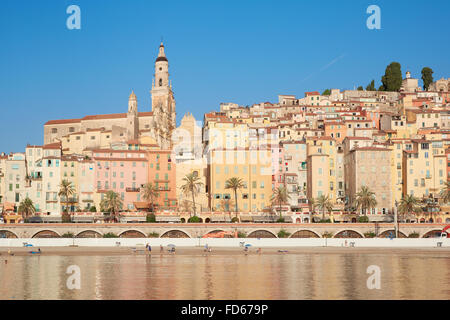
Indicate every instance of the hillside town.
{"type": "Point", "coordinates": [338, 156]}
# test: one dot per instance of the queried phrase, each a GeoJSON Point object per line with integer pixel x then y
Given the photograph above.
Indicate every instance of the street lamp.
{"type": "Point", "coordinates": [396, 219]}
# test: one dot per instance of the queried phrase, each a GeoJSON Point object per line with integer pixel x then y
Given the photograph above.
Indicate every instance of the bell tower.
{"type": "Point", "coordinates": [132, 118]}
{"type": "Point", "coordinates": [163, 102]}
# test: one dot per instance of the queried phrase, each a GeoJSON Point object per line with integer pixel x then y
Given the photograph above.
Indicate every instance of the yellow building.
{"type": "Point", "coordinates": [424, 168]}
{"type": "Point", "coordinates": [252, 166]}
{"type": "Point", "coordinates": [322, 162]}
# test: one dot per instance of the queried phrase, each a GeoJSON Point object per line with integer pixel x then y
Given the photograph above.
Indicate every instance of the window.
{"type": "Point", "coordinates": [54, 130]}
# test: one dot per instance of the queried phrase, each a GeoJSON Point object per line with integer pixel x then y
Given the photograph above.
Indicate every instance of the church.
{"type": "Point", "coordinates": [119, 131]}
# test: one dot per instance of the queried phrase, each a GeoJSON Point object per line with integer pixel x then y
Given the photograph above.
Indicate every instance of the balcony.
{"type": "Point", "coordinates": [133, 189]}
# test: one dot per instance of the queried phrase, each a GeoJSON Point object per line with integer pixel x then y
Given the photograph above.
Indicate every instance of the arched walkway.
{"type": "Point", "coordinates": [132, 234]}
{"type": "Point", "coordinates": [432, 234]}
{"type": "Point", "coordinates": [305, 234]}
{"type": "Point", "coordinates": [7, 234]}
{"type": "Point", "coordinates": [348, 234]}
{"type": "Point", "coordinates": [46, 234]}
{"type": "Point", "coordinates": [391, 233]}
{"type": "Point", "coordinates": [261, 234]}
{"type": "Point", "coordinates": [175, 234]}
{"type": "Point", "coordinates": [89, 234]}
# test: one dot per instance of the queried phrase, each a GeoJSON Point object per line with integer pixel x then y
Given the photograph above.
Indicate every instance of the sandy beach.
{"type": "Point", "coordinates": [111, 251]}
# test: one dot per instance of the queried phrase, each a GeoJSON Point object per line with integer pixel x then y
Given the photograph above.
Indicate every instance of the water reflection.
{"type": "Point", "coordinates": [291, 276]}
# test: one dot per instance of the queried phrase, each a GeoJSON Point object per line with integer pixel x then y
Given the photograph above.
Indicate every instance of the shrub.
{"type": "Point", "coordinates": [234, 220]}
{"type": "Point", "coordinates": [93, 209]}
{"type": "Point", "coordinates": [363, 219]}
{"type": "Point", "coordinates": [66, 218]}
{"type": "Point", "coordinates": [325, 221]}
{"type": "Point", "coordinates": [242, 234]}
{"type": "Point", "coordinates": [110, 235]}
{"type": "Point", "coordinates": [413, 235]}
{"type": "Point", "coordinates": [327, 234]}
{"type": "Point", "coordinates": [151, 218]}
{"type": "Point", "coordinates": [369, 234]}
{"type": "Point", "coordinates": [67, 235]}
{"type": "Point", "coordinates": [153, 235]}
{"type": "Point", "coordinates": [194, 219]}
{"type": "Point", "coordinates": [280, 220]}
{"type": "Point", "coordinates": [283, 234]}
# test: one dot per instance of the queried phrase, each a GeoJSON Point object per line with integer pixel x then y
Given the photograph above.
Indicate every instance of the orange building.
{"type": "Point", "coordinates": [162, 174]}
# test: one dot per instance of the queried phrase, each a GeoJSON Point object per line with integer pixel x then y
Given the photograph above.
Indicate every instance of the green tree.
{"type": "Point", "coordinates": [445, 193]}
{"type": "Point", "coordinates": [371, 86]}
{"type": "Point", "coordinates": [324, 204]}
{"type": "Point", "coordinates": [360, 88]}
{"type": "Point", "coordinates": [66, 190]}
{"type": "Point", "coordinates": [280, 196]}
{"type": "Point", "coordinates": [392, 79]}
{"type": "Point", "coordinates": [150, 193]}
{"type": "Point", "coordinates": [326, 92]}
{"type": "Point", "coordinates": [427, 77]}
{"type": "Point", "coordinates": [26, 208]}
{"type": "Point", "coordinates": [409, 204]}
{"type": "Point", "coordinates": [365, 199]}
{"type": "Point", "coordinates": [93, 209]}
{"type": "Point", "coordinates": [192, 185]}
{"type": "Point", "coordinates": [235, 184]}
{"type": "Point", "coordinates": [111, 203]}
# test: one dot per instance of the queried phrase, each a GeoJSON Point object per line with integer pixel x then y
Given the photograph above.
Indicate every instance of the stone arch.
{"type": "Point", "coordinates": [175, 234]}
{"type": "Point", "coordinates": [261, 234]}
{"type": "Point", "coordinates": [348, 234]}
{"type": "Point", "coordinates": [46, 234]}
{"type": "Point", "coordinates": [298, 220]}
{"type": "Point", "coordinates": [8, 234]}
{"type": "Point", "coordinates": [387, 234]}
{"type": "Point", "coordinates": [89, 234]}
{"type": "Point", "coordinates": [207, 220]}
{"type": "Point", "coordinates": [432, 233]}
{"type": "Point", "coordinates": [305, 220]}
{"type": "Point", "coordinates": [447, 220]}
{"type": "Point", "coordinates": [183, 220]}
{"type": "Point", "coordinates": [132, 234]}
{"type": "Point", "coordinates": [304, 234]}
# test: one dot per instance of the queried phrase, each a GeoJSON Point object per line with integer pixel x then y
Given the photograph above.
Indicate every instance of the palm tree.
{"type": "Point", "coordinates": [280, 196]}
{"type": "Point", "coordinates": [150, 193]}
{"type": "Point", "coordinates": [192, 185]}
{"type": "Point", "coordinates": [365, 199]}
{"type": "Point", "coordinates": [235, 184]}
{"type": "Point", "coordinates": [66, 190]}
{"type": "Point", "coordinates": [324, 204]}
{"type": "Point", "coordinates": [185, 206]}
{"type": "Point", "coordinates": [111, 203]}
{"type": "Point", "coordinates": [26, 208]}
{"type": "Point", "coordinates": [445, 192]}
{"type": "Point", "coordinates": [409, 204]}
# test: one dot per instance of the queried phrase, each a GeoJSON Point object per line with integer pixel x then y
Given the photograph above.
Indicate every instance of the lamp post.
{"type": "Point", "coordinates": [396, 219]}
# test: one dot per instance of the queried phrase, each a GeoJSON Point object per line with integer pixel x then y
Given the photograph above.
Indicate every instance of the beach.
{"type": "Point", "coordinates": [224, 251]}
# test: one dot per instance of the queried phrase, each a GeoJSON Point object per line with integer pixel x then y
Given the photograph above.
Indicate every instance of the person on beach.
{"type": "Point", "coordinates": [206, 248]}
{"type": "Point", "coordinates": [161, 248]}
{"type": "Point", "coordinates": [39, 250]}
{"type": "Point", "coordinates": [149, 247]}
{"type": "Point", "coordinates": [259, 251]}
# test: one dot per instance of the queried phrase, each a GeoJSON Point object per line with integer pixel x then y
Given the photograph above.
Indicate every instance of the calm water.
{"type": "Point", "coordinates": [290, 276]}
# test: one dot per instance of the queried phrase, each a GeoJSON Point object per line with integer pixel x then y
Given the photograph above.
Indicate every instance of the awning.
{"type": "Point", "coordinates": [246, 218]}
{"type": "Point", "coordinates": [220, 219]}
{"type": "Point", "coordinates": [51, 219]}
{"type": "Point", "coordinates": [381, 219]}
{"type": "Point", "coordinates": [265, 218]}
{"type": "Point", "coordinates": [167, 219]}
{"type": "Point", "coordinates": [83, 219]}
{"type": "Point", "coordinates": [133, 219]}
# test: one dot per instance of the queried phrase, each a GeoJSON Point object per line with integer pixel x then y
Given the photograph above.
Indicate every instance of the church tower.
{"type": "Point", "coordinates": [163, 102]}
{"type": "Point", "coordinates": [132, 118]}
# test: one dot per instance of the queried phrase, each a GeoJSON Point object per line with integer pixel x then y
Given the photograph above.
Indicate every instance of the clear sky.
{"type": "Point", "coordinates": [219, 51]}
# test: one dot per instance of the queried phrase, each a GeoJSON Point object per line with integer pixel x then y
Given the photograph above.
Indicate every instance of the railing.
{"type": "Point", "coordinates": [132, 189]}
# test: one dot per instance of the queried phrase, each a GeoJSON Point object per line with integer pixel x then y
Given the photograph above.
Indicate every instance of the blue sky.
{"type": "Point", "coordinates": [219, 51]}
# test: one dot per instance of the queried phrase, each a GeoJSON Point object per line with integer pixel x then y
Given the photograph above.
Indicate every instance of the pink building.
{"type": "Point", "coordinates": [123, 171]}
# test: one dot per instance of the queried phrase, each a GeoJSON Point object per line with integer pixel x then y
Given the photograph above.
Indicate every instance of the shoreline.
{"type": "Point", "coordinates": [219, 251]}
